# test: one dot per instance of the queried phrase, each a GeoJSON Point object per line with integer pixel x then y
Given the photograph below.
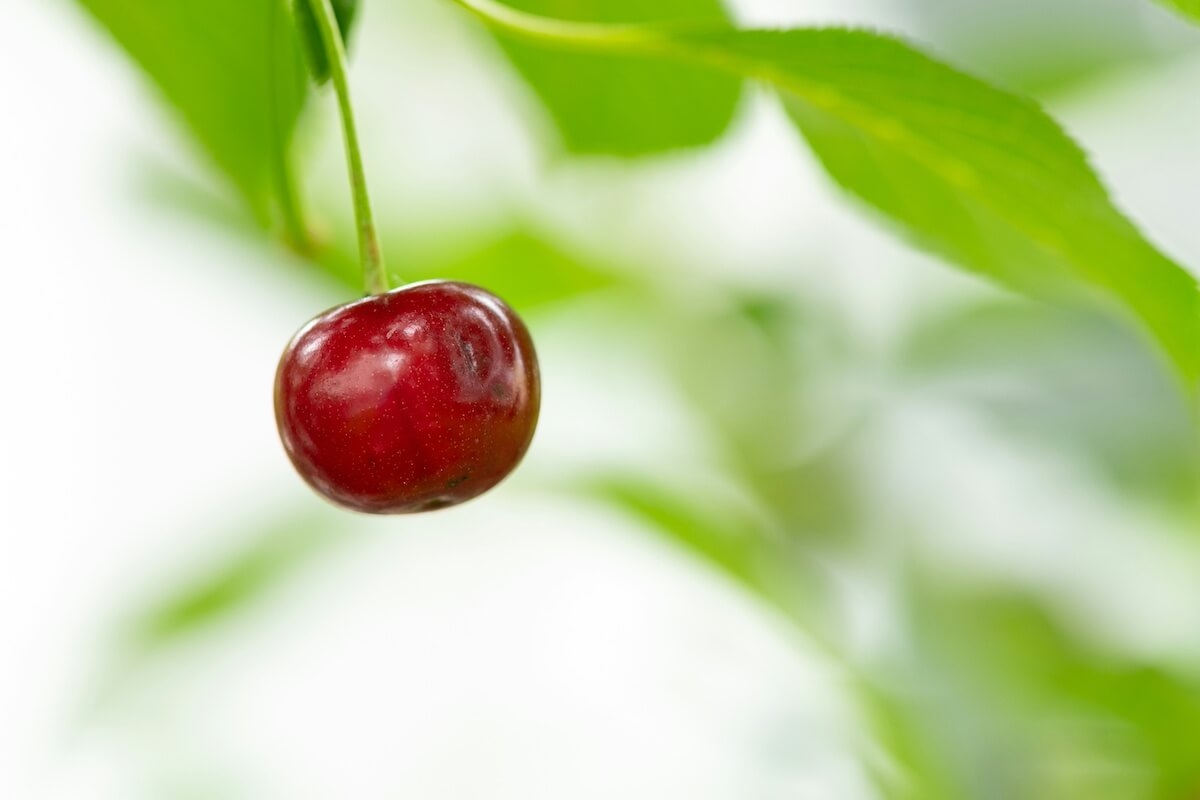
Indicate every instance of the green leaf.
{"type": "Point", "coordinates": [720, 535]}
{"type": "Point", "coordinates": [733, 539]}
{"type": "Point", "coordinates": [1120, 722]}
{"type": "Point", "coordinates": [524, 268]}
{"type": "Point", "coordinates": [979, 176]}
{"type": "Point", "coordinates": [769, 415]}
{"type": "Point", "coordinates": [280, 548]}
{"type": "Point", "coordinates": [1190, 8]}
{"type": "Point", "coordinates": [346, 12]}
{"type": "Point", "coordinates": [521, 265]}
{"type": "Point", "coordinates": [231, 68]}
{"type": "Point", "coordinates": [626, 105]}
{"type": "Point", "coordinates": [1076, 381]}
{"type": "Point", "coordinates": [911, 766]}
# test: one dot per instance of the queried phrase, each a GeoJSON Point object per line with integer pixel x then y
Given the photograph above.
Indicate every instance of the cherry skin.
{"type": "Point", "coordinates": [416, 399]}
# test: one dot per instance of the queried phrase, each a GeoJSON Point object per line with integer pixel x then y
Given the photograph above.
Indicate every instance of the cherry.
{"type": "Point", "coordinates": [416, 399]}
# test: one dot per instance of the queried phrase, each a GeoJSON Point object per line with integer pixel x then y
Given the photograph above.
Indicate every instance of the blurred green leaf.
{"type": "Point", "coordinates": [726, 539]}
{"type": "Point", "coordinates": [626, 105]}
{"type": "Point", "coordinates": [762, 370]}
{"type": "Point", "coordinates": [911, 766]}
{"type": "Point", "coordinates": [1073, 380]}
{"type": "Point", "coordinates": [231, 68]}
{"type": "Point", "coordinates": [279, 549]}
{"type": "Point", "coordinates": [525, 269]}
{"type": "Point", "coordinates": [979, 176]}
{"type": "Point", "coordinates": [1084, 724]}
{"type": "Point", "coordinates": [756, 343]}
{"type": "Point", "coordinates": [734, 539]}
{"type": "Point", "coordinates": [521, 265]}
{"type": "Point", "coordinates": [1189, 7]}
{"type": "Point", "coordinates": [346, 12]}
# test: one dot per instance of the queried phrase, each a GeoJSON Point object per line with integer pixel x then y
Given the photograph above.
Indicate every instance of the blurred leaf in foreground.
{"type": "Point", "coordinates": [524, 268]}
{"type": "Point", "coordinates": [731, 537]}
{"type": "Point", "coordinates": [910, 766]}
{"type": "Point", "coordinates": [231, 68]}
{"type": "Point", "coordinates": [520, 264]}
{"type": "Point", "coordinates": [1188, 7]}
{"type": "Point", "coordinates": [626, 105]}
{"type": "Point", "coordinates": [765, 373]}
{"type": "Point", "coordinates": [1085, 725]}
{"type": "Point", "coordinates": [280, 548]}
{"type": "Point", "coordinates": [757, 345]}
{"type": "Point", "coordinates": [203, 600]}
{"type": "Point", "coordinates": [1073, 380]}
{"type": "Point", "coordinates": [728, 540]}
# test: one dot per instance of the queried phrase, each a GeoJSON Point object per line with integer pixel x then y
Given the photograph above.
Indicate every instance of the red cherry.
{"type": "Point", "coordinates": [412, 400]}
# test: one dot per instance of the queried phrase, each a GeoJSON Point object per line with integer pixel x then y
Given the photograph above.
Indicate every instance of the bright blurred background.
{"type": "Point", "coordinates": [808, 515]}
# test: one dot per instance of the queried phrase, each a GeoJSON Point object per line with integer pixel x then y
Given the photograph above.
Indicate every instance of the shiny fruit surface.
{"type": "Point", "coordinates": [416, 399]}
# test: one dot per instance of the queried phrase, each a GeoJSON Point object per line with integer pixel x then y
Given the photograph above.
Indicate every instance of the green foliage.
{"type": "Point", "coordinates": [231, 68]}
{"type": "Point", "coordinates": [346, 12]}
{"type": "Point", "coordinates": [723, 536]}
{"type": "Point", "coordinates": [911, 767]}
{"type": "Point", "coordinates": [626, 105]}
{"type": "Point", "coordinates": [775, 354]}
{"type": "Point", "coordinates": [1077, 382]}
{"type": "Point", "coordinates": [1189, 7]}
{"type": "Point", "coordinates": [1064, 703]}
{"type": "Point", "coordinates": [278, 550]}
{"type": "Point", "coordinates": [524, 268]}
{"type": "Point", "coordinates": [521, 265]}
{"type": "Point", "coordinates": [970, 172]}
{"type": "Point", "coordinates": [981, 177]}
{"type": "Point", "coordinates": [756, 341]}
{"type": "Point", "coordinates": [734, 539]}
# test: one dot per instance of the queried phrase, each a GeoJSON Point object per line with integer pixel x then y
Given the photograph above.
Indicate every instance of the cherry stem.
{"type": "Point", "coordinates": [370, 254]}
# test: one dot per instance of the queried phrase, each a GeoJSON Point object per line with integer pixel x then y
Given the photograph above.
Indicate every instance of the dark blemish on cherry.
{"type": "Point", "coordinates": [467, 351]}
